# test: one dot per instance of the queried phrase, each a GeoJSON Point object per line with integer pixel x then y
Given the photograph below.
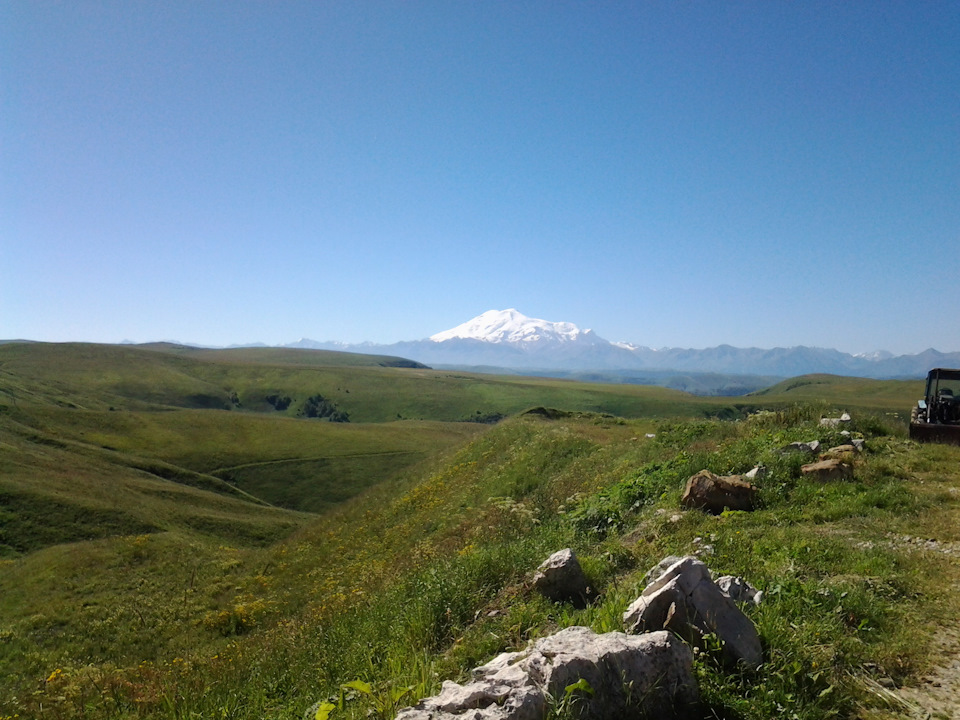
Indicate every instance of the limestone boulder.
{"type": "Point", "coordinates": [560, 578]}
{"type": "Point", "coordinates": [686, 601]}
{"type": "Point", "coordinates": [660, 568]}
{"type": "Point", "coordinates": [716, 493]}
{"type": "Point", "coordinates": [647, 675]}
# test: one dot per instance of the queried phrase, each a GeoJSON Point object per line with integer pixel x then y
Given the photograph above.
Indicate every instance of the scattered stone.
{"type": "Point", "coordinates": [650, 436]}
{"type": "Point", "coordinates": [739, 590]}
{"type": "Point", "coordinates": [810, 448]}
{"type": "Point", "coordinates": [758, 472]}
{"type": "Point", "coordinates": [834, 422]}
{"type": "Point", "coordinates": [629, 675]}
{"type": "Point", "coordinates": [828, 470]}
{"type": "Point", "coordinates": [685, 600]}
{"type": "Point", "coordinates": [715, 493]}
{"type": "Point", "coordinates": [841, 452]}
{"type": "Point", "coordinates": [561, 579]}
{"type": "Point", "coordinates": [858, 444]}
{"type": "Point", "coordinates": [926, 544]}
{"type": "Point", "coordinates": [702, 548]}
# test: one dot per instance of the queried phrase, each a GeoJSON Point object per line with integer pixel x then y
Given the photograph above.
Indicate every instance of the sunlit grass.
{"type": "Point", "coordinates": [153, 590]}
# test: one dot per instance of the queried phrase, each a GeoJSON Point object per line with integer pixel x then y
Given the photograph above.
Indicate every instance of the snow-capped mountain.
{"type": "Point", "coordinates": [512, 326]}
{"type": "Point", "coordinates": [875, 356]}
{"type": "Point", "coordinates": [508, 339]}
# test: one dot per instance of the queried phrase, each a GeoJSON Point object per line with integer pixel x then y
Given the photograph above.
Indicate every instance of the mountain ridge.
{"type": "Point", "coordinates": [509, 339]}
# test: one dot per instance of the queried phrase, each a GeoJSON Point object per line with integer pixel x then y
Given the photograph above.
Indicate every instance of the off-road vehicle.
{"type": "Point", "coordinates": [936, 418]}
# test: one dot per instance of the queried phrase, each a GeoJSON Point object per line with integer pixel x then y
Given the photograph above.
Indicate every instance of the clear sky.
{"type": "Point", "coordinates": [666, 173]}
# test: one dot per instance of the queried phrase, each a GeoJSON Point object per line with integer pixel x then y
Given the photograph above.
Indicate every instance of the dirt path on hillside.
{"type": "Point", "coordinates": [937, 697]}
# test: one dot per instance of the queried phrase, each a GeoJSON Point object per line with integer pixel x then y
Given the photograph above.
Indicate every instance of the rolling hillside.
{"type": "Point", "coordinates": [174, 543]}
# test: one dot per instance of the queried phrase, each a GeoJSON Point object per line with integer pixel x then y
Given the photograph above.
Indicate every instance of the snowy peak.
{"type": "Point", "coordinates": [512, 326]}
{"type": "Point", "coordinates": [875, 356]}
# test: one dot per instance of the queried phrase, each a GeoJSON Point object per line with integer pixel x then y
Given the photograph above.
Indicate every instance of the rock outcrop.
{"type": "Point", "coordinates": [649, 674]}
{"type": "Point", "coordinates": [685, 599]}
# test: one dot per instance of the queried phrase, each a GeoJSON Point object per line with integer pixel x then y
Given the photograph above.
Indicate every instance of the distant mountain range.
{"type": "Point", "coordinates": [500, 340]}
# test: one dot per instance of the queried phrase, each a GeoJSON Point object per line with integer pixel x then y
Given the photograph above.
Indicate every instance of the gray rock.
{"type": "Point", "coordinates": [716, 493]}
{"type": "Point", "coordinates": [757, 473]}
{"type": "Point", "coordinates": [858, 444]}
{"type": "Point", "coordinates": [629, 675]}
{"type": "Point", "coordinates": [739, 590]}
{"type": "Point", "coordinates": [660, 568]}
{"type": "Point", "coordinates": [811, 448]}
{"type": "Point", "coordinates": [686, 601]}
{"type": "Point", "coordinates": [560, 578]}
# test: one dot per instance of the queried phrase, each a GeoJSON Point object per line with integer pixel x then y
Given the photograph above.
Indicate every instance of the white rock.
{"type": "Point", "coordinates": [628, 674]}
{"type": "Point", "coordinates": [804, 447]}
{"type": "Point", "coordinates": [739, 590]}
{"type": "Point", "coordinates": [685, 600]}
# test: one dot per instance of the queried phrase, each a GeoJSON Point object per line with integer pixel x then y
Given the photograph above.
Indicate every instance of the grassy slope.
{"type": "Point", "coordinates": [98, 376]}
{"type": "Point", "coordinates": [424, 576]}
{"type": "Point", "coordinates": [126, 546]}
{"type": "Point", "coordinates": [892, 396]}
{"type": "Point", "coordinates": [110, 506]}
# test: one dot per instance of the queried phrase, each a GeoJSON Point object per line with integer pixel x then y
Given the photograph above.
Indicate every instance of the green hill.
{"type": "Point", "coordinates": [887, 395]}
{"type": "Point", "coordinates": [174, 545]}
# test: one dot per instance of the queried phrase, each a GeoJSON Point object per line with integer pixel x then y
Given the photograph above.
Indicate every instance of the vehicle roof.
{"type": "Point", "coordinates": [945, 372]}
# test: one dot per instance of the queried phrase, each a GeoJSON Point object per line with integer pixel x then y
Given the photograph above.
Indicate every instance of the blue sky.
{"type": "Point", "coordinates": [670, 174]}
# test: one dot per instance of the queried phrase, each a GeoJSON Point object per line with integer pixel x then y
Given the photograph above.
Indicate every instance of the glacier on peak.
{"type": "Point", "coordinates": [512, 326]}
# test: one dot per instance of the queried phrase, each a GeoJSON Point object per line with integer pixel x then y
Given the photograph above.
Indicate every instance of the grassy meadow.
{"type": "Point", "coordinates": [173, 545]}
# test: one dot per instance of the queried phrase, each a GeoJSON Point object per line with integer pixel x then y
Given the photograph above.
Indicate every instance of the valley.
{"type": "Point", "coordinates": [174, 543]}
